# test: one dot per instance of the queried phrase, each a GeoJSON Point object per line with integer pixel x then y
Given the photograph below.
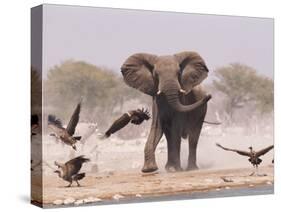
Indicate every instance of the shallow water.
{"type": "Point", "coordinates": [259, 190]}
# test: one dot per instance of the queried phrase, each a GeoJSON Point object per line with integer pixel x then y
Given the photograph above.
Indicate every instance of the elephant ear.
{"type": "Point", "coordinates": [193, 68]}
{"type": "Point", "coordinates": [137, 72]}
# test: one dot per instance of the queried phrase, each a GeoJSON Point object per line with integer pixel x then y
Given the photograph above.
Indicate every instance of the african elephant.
{"type": "Point", "coordinates": [179, 104]}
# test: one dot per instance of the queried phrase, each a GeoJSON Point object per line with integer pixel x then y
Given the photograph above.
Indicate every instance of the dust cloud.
{"type": "Point", "coordinates": [116, 154]}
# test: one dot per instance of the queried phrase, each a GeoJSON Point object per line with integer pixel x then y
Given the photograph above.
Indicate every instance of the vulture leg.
{"type": "Point", "coordinates": [258, 174]}
{"type": "Point", "coordinates": [74, 147]}
{"type": "Point", "coordinates": [254, 173]}
{"type": "Point", "coordinates": [78, 183]}
{"type": "Point", "coordinates": [257, 170]}
{"type": "Point", "coordinates": [69, 185]}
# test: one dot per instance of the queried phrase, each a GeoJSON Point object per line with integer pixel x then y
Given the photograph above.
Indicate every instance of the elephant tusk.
{"type": "Point", "coordinates": [183, 91]}
{"type": "Point", "coordinates": [159, 92]}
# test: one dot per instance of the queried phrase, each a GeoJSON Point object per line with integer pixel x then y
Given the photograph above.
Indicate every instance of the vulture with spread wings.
{"type": "Point", "coordinates": [254, 156]}
{"type": "Point", "coordinates": [66, 134]}
{"type": "Point", "coordinates": [134, 116]}
{"type": "Point", "coordinates": [69, 171]}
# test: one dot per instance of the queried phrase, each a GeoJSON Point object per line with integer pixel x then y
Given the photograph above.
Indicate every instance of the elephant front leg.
{"type": "Point", "coordinates": [149, 150]}
{"type": "Point", "coordinates": [154, 137]}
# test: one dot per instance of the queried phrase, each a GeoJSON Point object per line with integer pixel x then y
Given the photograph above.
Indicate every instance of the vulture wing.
{"type": "Point", "coordinates": [74, 165]}
{"type": "Point", "coordinates": [118, 124]}
{"type": "Point", "coordinates": [53, 120]}
{"type": "Point", "coordinates": [74, 120]}
{"type": "Point", "coordinates": [264, 151]}
{"type": "Point", "coordinates": [55, 124]}
{"type": "Point", "coordinates": [244, 153]}
{"type": "Point", "coordinates": [138, 116]}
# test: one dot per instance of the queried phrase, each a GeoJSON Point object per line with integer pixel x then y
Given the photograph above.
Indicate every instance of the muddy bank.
{"type": "Point", "coordinates": [111, 187]}
{"type": "Point", "coordinates": [232, 192]}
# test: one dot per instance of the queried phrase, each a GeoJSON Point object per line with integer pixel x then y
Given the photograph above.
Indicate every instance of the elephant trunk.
{"type": "Point", "coordinates": [172, 95]}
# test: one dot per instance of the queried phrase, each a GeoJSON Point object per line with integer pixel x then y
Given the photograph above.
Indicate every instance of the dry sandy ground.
{"type": "Point", "coordinates": [121, 186]}
{"type": "Point", "coordinates": [113, 174]}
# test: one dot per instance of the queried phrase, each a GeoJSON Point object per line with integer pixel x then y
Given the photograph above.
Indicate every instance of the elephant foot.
{"type": "Point", "coordinates": [173, 168]}
{"type": "Point", "coordinates": [151, 167]}
{"type": "Point", "coordinates": [191, 167]}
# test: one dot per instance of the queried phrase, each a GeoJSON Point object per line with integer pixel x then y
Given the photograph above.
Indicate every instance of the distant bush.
{"type": "Point", "coordinates": [103, 91]}
{"type": "Point", "coordinates": [36, 91]}
{"type": "Point", "coordinates": [242, 85]}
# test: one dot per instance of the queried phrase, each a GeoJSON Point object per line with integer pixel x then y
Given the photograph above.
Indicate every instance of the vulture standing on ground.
{"type": "Point", "coordinates": [66, 135]}
{"type": "Point", "coordinates": [34, 166]}
{"type": "Point", "coordinates": [133, 116]}
{"type": "Point", "coordinates": [254, 156]}
{"type": "Point", "coordinates": [69, 170]}
{"type": "Point", "coordinates": [34, 123]}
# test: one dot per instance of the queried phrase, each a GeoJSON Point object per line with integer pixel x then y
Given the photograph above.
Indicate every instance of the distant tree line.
{"type": "Point", "coordinates": [105, 95]}
{"type": "Point", "coordinates": [103, 91]}
{"type": "Point", "coordinates": [246, 93]}
{"type": "Point", "coordinates": [36, 91]}
{"type": "Point", "coordinates": [241, 84]}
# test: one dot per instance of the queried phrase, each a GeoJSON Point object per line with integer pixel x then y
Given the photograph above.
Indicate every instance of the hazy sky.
{"type": "Point", "coordinates": [106, 37]}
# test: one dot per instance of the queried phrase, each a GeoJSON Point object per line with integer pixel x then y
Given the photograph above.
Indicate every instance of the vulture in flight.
{"type": "Point", "coordinates": [66, 134]}
{"type": "Point", "coordinates": [134, 116]}
{"type": "Point", "coordinates": [69, 171]}
{"type": "Point", "coordinates": [254, 156]}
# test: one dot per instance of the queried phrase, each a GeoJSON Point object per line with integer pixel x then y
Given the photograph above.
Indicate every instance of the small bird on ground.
{"type": "Point", "coordinates": [134, 116]}
{"type": "Point", "coordinates": [66, 134]}
{"type": "Point", "coordinates": [69, 170]}
{"type": "Point", "coordinates": [254, 156]}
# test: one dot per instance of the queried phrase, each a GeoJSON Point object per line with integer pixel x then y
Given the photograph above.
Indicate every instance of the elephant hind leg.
{"type": "Point", "coordinates": [174, 144]}
{"type": "Point", "coordinates": [149, 150]}
{"type": "Point", "coordinates": [193, 142]}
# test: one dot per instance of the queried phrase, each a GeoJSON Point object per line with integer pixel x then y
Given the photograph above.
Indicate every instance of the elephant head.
{"type": "Point", "coordinates": [170, 76]}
